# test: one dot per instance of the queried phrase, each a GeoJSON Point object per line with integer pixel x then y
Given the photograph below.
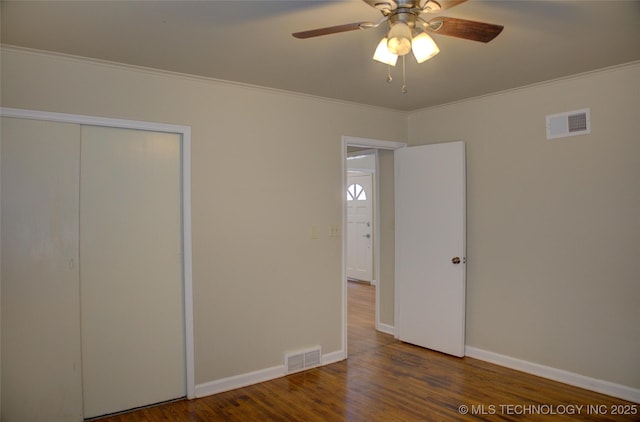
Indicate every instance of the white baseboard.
{"type": "Point", "coordinates": [604, 387]}
{"type": "Point", "coordinates": [387, 329]}
{"type": "Point", "coordinates": [238, 381]}
{"type": "Point", "coordinates": [333, 357]}
{"type": "Point", "coordinates": [593, 384]}
{"type": "Point", "coordinates": [262, 375]}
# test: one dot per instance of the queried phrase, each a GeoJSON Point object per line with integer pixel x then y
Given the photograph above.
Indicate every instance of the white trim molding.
{"type": "Point", "coordinates": [560, 375]}
{"type": "Point", "coordinates": [386, 328]}
{"type": "Point", "coordinates": [255, 377]}
{"type": "Point", "coordinates": [372, 143]}
{"type": "Point", "coordinates": [185, 132]}
{"type": "Point", "coordinates": [239, 381]}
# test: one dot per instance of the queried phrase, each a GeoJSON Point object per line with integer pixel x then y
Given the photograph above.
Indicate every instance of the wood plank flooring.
{"type": "Point", "coordinates": [387, 380]}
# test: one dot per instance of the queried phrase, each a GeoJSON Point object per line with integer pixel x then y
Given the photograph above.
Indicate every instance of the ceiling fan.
{"type": "Point", "coordinates": [408, 31]}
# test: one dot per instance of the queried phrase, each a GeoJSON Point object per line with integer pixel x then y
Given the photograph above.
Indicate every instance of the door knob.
{"type": "Point", "coordinates": [455, 260]}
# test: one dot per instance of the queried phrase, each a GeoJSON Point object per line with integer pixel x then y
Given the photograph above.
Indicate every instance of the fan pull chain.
{"type": "Point", "coordinates": [389, 78]}
{"type": "Point", "coordinates": [404, 78]}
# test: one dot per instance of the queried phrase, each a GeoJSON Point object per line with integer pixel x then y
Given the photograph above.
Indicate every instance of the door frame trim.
{"type": "Point", "coordinates": [348, 141]}
{"type": "Point", "coordinates": [187, 271]}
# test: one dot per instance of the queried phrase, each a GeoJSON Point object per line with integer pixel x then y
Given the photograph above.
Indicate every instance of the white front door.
{"type": "Point", "coordinates": [430, 246]}
{"type": "Point", "coordinates": [360, 226]}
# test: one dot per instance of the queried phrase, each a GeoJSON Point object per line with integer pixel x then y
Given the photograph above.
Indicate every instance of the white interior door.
{"type": "Point", "coordinates": [430, 246]}
{"type": "Point", "coordinates": [360, 226]}
{"type": "Point", "coordinates": [131, 274]}
{"type": "Point", "coordinates": [41, 377]}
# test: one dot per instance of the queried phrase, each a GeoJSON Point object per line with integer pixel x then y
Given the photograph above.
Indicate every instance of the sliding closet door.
{"type": "Point", "coordinates": [41, 378]}
{"type": "Point", "coordinates": [131, 274]}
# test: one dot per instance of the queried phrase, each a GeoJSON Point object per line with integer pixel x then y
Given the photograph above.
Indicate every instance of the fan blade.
{"type": "Point", "coordinates": [333, 29]}
{"type": "Point", "coordinates": [462, 28]}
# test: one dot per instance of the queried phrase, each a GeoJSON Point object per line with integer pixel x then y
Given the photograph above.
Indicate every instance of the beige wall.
{"type": "Point", "coordinates": [553, 226]}
{"type": "Point", "coordinates": [266, 167]}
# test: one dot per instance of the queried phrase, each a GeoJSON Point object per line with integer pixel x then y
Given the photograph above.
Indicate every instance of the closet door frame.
{"type": "Point", "coordinates": [185, 132]}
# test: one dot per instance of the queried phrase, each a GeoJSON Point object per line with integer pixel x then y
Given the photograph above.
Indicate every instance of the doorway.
{"type": "Point", "coordinates": [380, 154]}
{"type": "Point", "coordinates": [430, 212]}
{"type": "Point", "coordinates": [431, 299]}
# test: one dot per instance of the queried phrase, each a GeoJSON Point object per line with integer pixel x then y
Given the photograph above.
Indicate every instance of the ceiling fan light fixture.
{"type": "Point", "coordinates": [431, 6]}
{"type": "Point", "coordinates": [424, 47]}
{"type": "Point", "coordinates": [383, 55]}
{"type": "Point", "coordinates": [399, 39]}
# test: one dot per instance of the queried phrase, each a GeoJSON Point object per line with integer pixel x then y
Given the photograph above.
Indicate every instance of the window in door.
{"type": "Point", "coordinates": [355, 192]}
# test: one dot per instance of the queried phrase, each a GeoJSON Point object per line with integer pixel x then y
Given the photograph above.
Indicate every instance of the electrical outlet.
{"type": "Point", "coordinates": [334, 230]}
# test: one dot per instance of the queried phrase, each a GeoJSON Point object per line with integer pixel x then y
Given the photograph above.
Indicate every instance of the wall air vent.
{"type": "Point", "coordinates": [571, 123]}
{"type": "Point", "coordinates": [304, 359]}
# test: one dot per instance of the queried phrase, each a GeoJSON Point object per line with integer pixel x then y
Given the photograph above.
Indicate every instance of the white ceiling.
{"type": "Point", "coordinates": [250, 42]}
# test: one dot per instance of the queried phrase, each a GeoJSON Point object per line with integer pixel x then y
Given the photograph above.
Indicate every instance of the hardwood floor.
{"type": "Point", "coordinates": [387, 380]}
